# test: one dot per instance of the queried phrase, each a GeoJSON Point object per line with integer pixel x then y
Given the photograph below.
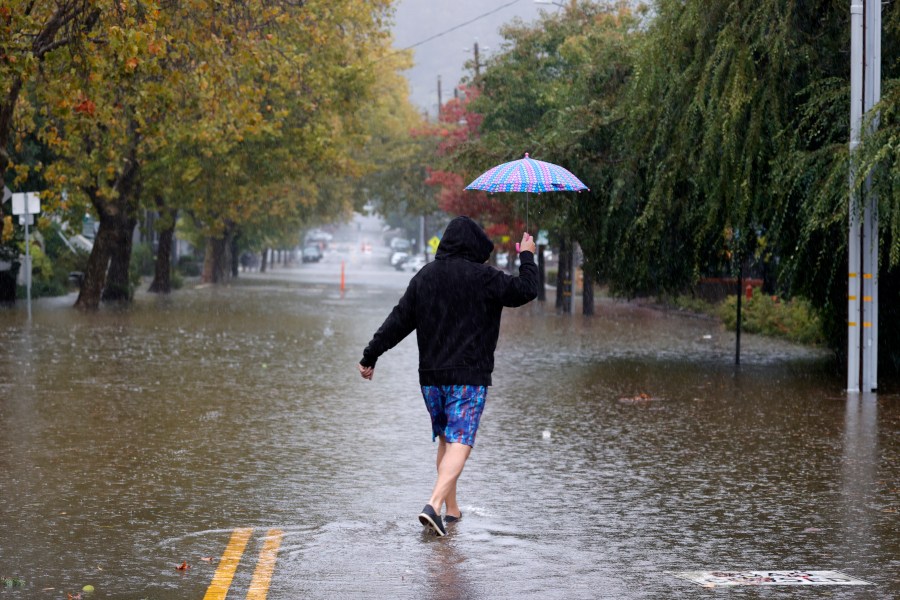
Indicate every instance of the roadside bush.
{"type": "Point", "coordinates": [188, 266]}
{"type": "Point", "coordinates": [141, 260]}
{"type": "Point", "coordinates": [793, 320]}
{"type": "Point", "coordinates": [53, 266]}
{"type": "Point", "coordinates": [691, 303]}
{"type": "Point", "coordinates": [176, 280]}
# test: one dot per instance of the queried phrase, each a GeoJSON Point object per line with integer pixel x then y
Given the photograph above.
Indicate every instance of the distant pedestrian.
{"type": "Point", "coordinates": [454, 305]}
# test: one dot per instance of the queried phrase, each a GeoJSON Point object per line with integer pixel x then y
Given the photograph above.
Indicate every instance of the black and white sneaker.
{"type": "Point", "coordinates": [431, 519]}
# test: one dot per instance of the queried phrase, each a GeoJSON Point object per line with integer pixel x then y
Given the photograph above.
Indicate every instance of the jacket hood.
{"type": "Point", "coordinates": [466, 239]}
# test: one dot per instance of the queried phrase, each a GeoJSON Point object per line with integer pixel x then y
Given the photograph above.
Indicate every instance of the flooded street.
{"type": "Point", "coordinates": [614, 451]}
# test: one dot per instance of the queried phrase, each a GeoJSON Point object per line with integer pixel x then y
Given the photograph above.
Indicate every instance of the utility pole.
{"type": "Point", "coordinates": [477, 61]}
{"type": "Point", "coordinates": [862, 275]}
{"type": "Point", "coordinates": [440, 103]}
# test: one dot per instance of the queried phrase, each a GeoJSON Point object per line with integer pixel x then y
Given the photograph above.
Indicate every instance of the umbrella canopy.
{"type": "Point", "coordinates": [527, 175]}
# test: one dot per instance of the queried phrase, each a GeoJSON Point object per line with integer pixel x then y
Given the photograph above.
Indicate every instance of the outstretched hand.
{"type": "Point", "coordinates": [527, 244]}
{"type": "Point", "coordinates": [366, 372]}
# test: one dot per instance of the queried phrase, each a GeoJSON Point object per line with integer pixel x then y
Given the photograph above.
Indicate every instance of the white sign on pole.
{"type": "Point", "coordinates": [26, 203]}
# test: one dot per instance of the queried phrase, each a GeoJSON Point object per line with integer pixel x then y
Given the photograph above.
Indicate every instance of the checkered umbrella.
{"type": "Point", "coordinates": [527, 175]}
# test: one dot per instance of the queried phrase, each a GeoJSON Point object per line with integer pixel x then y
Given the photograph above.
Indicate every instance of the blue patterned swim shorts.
{"type": "Point", "coordinates": [455, 411]}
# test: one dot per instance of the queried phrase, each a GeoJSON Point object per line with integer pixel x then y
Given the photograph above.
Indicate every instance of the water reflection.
{"type": "Point", "coordinates": [859, 472]}
{"type": "Point", "coordinates": [447, 572]}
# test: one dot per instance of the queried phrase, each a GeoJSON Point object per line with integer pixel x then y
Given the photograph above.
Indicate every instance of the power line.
{"type": "Point", "coordinates": [455, 27]}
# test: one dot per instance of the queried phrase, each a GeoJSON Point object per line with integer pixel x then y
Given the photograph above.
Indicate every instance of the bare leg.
{"type": "Point", "coordinates": [451, 460]}
{"type": "Point", "coordinates": [450, 500]}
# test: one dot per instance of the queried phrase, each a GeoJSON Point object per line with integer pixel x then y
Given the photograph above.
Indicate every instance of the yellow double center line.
{"type": "Point", "coordinates": [265, 566]}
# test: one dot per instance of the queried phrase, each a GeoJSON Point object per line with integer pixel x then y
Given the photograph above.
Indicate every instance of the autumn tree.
{"type": "Point", "coordinates": [236, 115]}
{"type": "Point", "coordinates": [31, 33]}
{"type": "Point", "coordinates": [303, 84]}
{"type": "Point", "coordinates": [393, 155]}
{"type": "Point", "coordinates": [103, 104]}
{"type": "Point", "coordinates": [553, 91]}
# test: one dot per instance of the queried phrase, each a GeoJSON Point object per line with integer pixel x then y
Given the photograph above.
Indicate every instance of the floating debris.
{"type": "Point", "coordinates": [641, 398]}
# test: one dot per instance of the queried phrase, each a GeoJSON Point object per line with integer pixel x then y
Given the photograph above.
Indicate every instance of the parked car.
{"type": "Point", "coordinates": [389, 233]}
{"type": "Point", "coordinates": [399, 244]}
{"type": "Point", "coordinates": [319, 237]}
{"type": "Point", "coordinates": [413, 263]}
{"type": "Point", "coordinates": [312, 253]}
{"type": "Point", "coordinates": [397, 259]}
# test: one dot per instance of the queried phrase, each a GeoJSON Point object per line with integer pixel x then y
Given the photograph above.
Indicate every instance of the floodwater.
{"type": "Point", "coordinates": [614, 451]}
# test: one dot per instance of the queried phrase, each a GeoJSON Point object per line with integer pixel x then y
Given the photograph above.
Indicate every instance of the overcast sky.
{"type": "Point", "coordinates": [454, 25]}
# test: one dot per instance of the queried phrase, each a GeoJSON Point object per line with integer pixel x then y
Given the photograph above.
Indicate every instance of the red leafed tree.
{"type": "Point", "coordinates": [457, 125]}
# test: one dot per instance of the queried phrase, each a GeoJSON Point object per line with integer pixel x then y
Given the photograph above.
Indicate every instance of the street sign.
{"type": "Point", "coordinates": [26, 203]}
{"type": "Point", "coordinates": [433, 243]}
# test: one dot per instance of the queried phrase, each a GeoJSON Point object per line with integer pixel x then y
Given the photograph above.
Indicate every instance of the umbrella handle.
{"type": "Point", "coordinates": [517, 246]}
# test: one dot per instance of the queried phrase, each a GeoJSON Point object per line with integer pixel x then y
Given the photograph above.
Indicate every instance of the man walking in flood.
{"type": "Point", "coordinates": [454, 305]}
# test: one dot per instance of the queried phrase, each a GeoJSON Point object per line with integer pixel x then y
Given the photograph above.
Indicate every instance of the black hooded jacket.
{"type": "Point", "coordinates": [454, 304]}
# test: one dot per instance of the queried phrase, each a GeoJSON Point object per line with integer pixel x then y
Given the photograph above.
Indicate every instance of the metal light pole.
{"type": "Point", "coordinates": [862, 275]}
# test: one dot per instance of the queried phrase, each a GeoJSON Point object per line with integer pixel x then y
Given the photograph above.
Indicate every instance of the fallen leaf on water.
{"type": "Point", "coordinates": [73, 596]}
{"type": "Point", "coordinates": [184, 566]}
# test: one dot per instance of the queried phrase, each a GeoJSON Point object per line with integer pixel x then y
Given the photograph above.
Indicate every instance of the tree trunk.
{"type": "Point", "coordinates": [587, 292]}
{"type": "Point", "coordinates": [264, 259]}
{"type": "Point", "coordinates": [162, 280]}
{"type": "Point", "coordinates": [98, 263]}
{"type": "Point", "coordinates": [561, 276]}
{"type": "Point", "coordinates": [235, 264]}
{"type": "Point", "coordinates": [106, 277]}
{"type": "Point", "coordinates": [214, 265]}
{"type": "Point", "coordinates": [542, 275]}
{"type": "Point", "coordinates": [118, 287]}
